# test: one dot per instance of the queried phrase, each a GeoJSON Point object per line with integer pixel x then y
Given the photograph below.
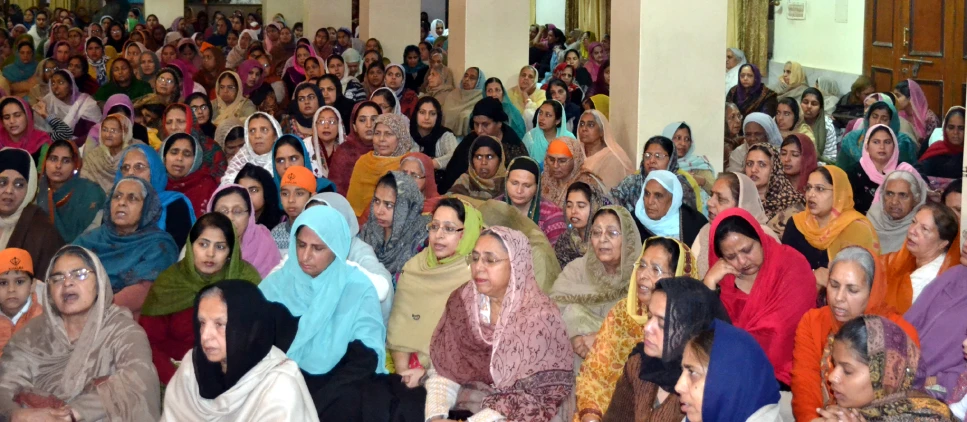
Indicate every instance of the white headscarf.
{"type": "Point", "coordinates": [732, 75]}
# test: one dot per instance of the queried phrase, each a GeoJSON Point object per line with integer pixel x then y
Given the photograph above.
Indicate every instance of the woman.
{"type": "Point", "coordinates": [264, 194]}
{"type": "Point", "coordinates": [332, 96]}
{"type": "Point", "coordinates": [202, 109]}
{"type": "Point", "coordinates": [696, 165]}
{"type": "Point", "coordinates": [40, 86]}
{"type": "Point", "coordinates": [81, 71]}
{"type": "Point", "coordinates": [396, 229]}
{"type": "Point", "coordinates": [707, 392]}
{"type": "Point", "coordinates": [459, 103]}
{"type": "Point", "coordinates": [605, 158]}
{"type": "Point", "coordinates": [302, 108]}
{"type": "Point", "coordinates": [438, 83]}
{"type": "Point", "coordinates": [734, 59]}
{"type": "Point", "coordinates": [373, 77]}
{"type": "Point", "coordinates": [420, 167]}
{"type": "Point", "coordinates": [913, 106]}
{"type": "Point", "coordinates": [792, 83]}
{"type": "Point", "coordinates": [857, 287]}
{"type": "Point", "coordinates": [468, 356]}
{"type": "Point", "coordinates": [327, 136]}
{"type": "Point", "coordinates": [430, 135]}
{"type": "Point", "coordinates": [425, 283]}
{"type": "Point", "coordinates": [214, 255]}
{"type": "Point", "coordinates": [852, 103]}
{"type": "Point", "coordinates": [397, 81]}
{"type": "Point", "coordinates": [73, 203]}
{"type": "Point", "coordinates": [18, 129]}
{"type": "Point", "coordinates": [130, 241]}
{"type": "Point", "coordinates": [658, 154]}
{"type": "Point", "coordinates": [789, 119]}
{"type": "Point", "coordinates": [821, 124]}
{"type": "Point", "coordinates": [798, 157]}
{"type": "Point", "coordinates": [324, 298]}
{"type": "Point", "coordinates": [549, 124]}
{"type": "Point", "coordinates": [391, 140]}
{"type": "Point", "coordinates": [259, 383]}
{"type": "Point", "coordinates": [261, 132]}
{"type": "Point", "coordinates": [563, 166]}
{"type": "Point", "coordinates": [680, 307]}
{"type": "Point", "coordinates": [182, 157]}
{"type": "Point", "coordinates": [348, 84]}
{"type": "Point", "coordinates": [23, 224]}
{"type": "Point", "coordinates": [602, 84]}
{"type": "Point", "coordinates": [257, 246]}
{"type": "Point", "coordinates": [101, 161]}
{"type": "Point", "coordinates": [625, 324]}
{"type": "Point", "coordinates": [766, 287]}
{"type": "Point", "coordinates": [732, 134]}
{"type": "Point", "coordinates": [525, 96]}
{"type": "Point", "coordinates": [22, 69]}
{"type": "Point", "coordinates": [902, 193]}
{"type": "Point", "coordinates": [589, 286]}
{"type": "Point", "coordinates": [237, 54]}
{"type": "Point", "coordinates": [583, 202]}
{"type": "Point", "coordinates": [148, 70]}
{"type": "Point", "coordinates": [85, 359]}
{"type": "Point", "coordinates": [290, 151]}
{"type": "Point", "coordinates": [881, 112]}
{"type": "Point", "coordinates": [880, 158]}
{"type": "Point", "coordinates": [596, 55]}
{"type": "Point", "coordinates": [359, 141]}
{"type": "Point", "coordinates": [486, 176]}
{"type": "Point", "coordinates": [255, 87]}
{"type": "Point", "coordinates": [779, 198]}
{"type": "Point", "coordinates": [67, 103]}
{"type": "Point", "coordinates": [523, 191]}
{"type": "Point", "coordinates": [229, 102]}
{"type": "Point", "coordinates": [945, 159]}
{"type": "Point", "coordinates": [494, 88]}
{"type": "Point", "coordinates": [182, 118]}
{"type": "Point", "coordinates": [929, 251]}
{"type": "Point", "coordinates": [882, 361]}
{"type": "Point", "coordinates": [829, 222]}
{"type": "Point", "coordinates": [751, 95]}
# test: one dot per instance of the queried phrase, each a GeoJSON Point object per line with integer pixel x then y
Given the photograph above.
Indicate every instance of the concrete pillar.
{"type": "Point", "coordinates": [326, 13]}
{"type": "Point", "coordinates": [291, 10]}
{"type": "Point", "coordinates": [395, 23]}
{"type": "Point", "coordinates": [165, 10]}
{"type": "Point", "coordinates": [667, 65]}
{"type": "Point", "coordinates": [491, 35]}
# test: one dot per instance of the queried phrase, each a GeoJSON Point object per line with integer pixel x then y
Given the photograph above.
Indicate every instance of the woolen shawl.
{"type": "Point", "coordinates": [408, 229]}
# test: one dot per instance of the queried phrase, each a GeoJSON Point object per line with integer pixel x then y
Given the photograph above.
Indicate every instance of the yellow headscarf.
{"type": "Point", "coordinates": [832, 237]}
{"type": "Point", "coordinates": [684, 267]}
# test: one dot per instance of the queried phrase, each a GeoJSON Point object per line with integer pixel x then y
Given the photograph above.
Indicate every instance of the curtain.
{"type": "Point", "coordinates": [571, 15]}
{"type": "Point", "coordinates": [753, 38]}
{"type": "Point", "coordinates": [732, 26]}
{"type": "Point", "coordinates": [595, 16]}
{"type": "Point", "coordinates": [533, 12]}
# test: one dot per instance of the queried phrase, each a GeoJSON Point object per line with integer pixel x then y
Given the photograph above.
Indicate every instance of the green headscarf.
{"type": "Point", "coordinates": [472, 225]}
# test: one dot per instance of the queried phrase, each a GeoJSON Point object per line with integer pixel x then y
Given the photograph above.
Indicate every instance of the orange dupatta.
{"type": "Point", "coordinates": [900, 264]}
{"type": "Point", "coordinates": [838, 233]}
{"type": "Point", "coordinates": [366, 173]}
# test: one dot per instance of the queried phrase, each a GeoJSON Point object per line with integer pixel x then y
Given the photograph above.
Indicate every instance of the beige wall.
{"type": "Point", "coordinates": [292, 10]}
{"type": "Point", "coordinates": [165, 10]}
{"type": "Point", "coordinates": [395, 23]}
{"type": "Point", "coordinates": [491, 35]}
{"type": "Point", "coordinates": [664, 70]}
{"type": "Point", "coordinates": [326, 13]}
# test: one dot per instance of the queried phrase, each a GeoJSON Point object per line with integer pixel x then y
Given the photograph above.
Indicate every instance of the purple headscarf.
{"type": "Point", "coordinates": [741, 93]}
{"type": "Point", "coordinates": [112, 101]}
{"type": "Point", "coordinates": [244, 69]}
{"type": "Point", "coordinates": [187, 70]}
{"type": "Point", "coordinates": [939, 317]}
{"type": "Point", "coordinates": [258, 247]}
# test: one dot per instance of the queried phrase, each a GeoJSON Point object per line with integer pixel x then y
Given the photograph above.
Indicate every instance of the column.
{"type": "Point", "coordinates": [664, 70]}
{"type": "Point", "coordinates": [291, 10]}
{"type": "Point", "coordinates": [326, 13]}
{"type": "Point", "coordinates": [165, 10]}
{"type": "Point", "coordinates": [491, 35]}
{"type": "Point", "coordinates": [395, 23]}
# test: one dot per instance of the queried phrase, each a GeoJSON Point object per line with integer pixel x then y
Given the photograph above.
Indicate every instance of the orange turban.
{"type": "Point", "coordinates": [558, 147]}
{"type": "Point", "coordinates": [300, 177]}
{"type": "Point", "coordinates": [15, 259]}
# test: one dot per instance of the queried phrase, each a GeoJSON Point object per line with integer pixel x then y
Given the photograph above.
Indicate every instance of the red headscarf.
{"type": "Point", "coordinates": [784, 289]}
{"type": "Point", "coordinates": [32, 139]}
{"type": "Point", "coordinates": [945, 147]}
{"type": "Point", "coordinates": [808, 163]}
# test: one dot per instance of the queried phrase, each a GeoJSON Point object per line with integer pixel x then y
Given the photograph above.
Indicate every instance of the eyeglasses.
{"type": "Point", "coordinates": [228, 87]}
{"type": "Point", "coordinates": [488, 260]}
{"type": "Point", "coordinates": [413, 175]}
{"type": "Point", "coordinates": [79, 274]}
{"type": "Point", "coordinates": [111, 130]}
{"type": "Point", "coordinates": [234, 212]}
{"type": "Point", "coordinates": [820, 189]}
{"type": "Point", "coordinates": [447, 229]}
{"type": "Point", "coordinates": [166, 81]}
{"type": "Point", "coordinates": [203, 107]}
{"type": "Point", "coordinates": [329, 122]}
{"type": "Point", "coordinates": [653, 271]}
{"type": "Point", "coordinates": [598, 233]}
{"type": "Point", "coordinates": [557, 161]}
{"type": "Point", "coordinates": [657, 155]}
{"type": "Point", "coordinates": [139, 167]}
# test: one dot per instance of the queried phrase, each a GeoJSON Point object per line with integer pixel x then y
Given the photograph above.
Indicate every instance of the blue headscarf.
{"type": "Point", "coordinates": [159, 182]}
{"type": "Point", "coordinates": [737, 359]}
{"type": "Point", "coordinates": [514, 118]}
{"type": "Point", "coordinates": [322, 184]}
{"type": "Point", "coordinates": [537, 143]}
{"type": "Point", "coordinates": [136, 257]}
{"type": "Point", "coordinates": [336, 307]}
{"type": "Point", "coordinates": [670, 224]}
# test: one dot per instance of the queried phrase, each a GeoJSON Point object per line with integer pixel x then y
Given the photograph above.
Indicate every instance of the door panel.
{"type": "Point", "coordinates": [884, 17]}
{"type": "Point", "coordinates": [926, 28]}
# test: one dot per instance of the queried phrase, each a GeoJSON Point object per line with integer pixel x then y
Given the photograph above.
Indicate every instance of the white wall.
{"type": "Point", "coordinates": [819, 41]}
{"type": "Point", "coordinates": [551, 11]}
{"type": "Point", "coordinates": [437, 9]}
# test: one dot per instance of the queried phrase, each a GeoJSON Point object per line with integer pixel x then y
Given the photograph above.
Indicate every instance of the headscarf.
{"type": "Point", "coordinates": [295, 63]}
{"type": "Point", "coordinates": [20, 161]}
{"type": "Point", "coordinates": [225, 110]}
{"type": "Point", "coordinates": [408, 228]}
{"type": "Point", "coordinates": [247, 154]}
{"type": "Point", "coordinates": [430, 192]}
{"type": "Point", "coordinates": [732, 75]}
{"type": "Point", "coordinates": [893, 362]}
{"type": "Point", "coordinates": [99, 165]}
{"type": "Point", "coordinates": [796, 85]}
{"type": "Point", "coordinates": [159, 182]}
{"type": "Point", "coordinates": [893, 233]}
{"type": "Point", "coordinates": [736, 359]}
{"type": "Point", "coordinates": [946, 147]}
{"type": "Point", "coordinates": [809, 160]}
{"type": "Point", "coordinates": [690, 307]}
{"type": "Point", "coordinates": [528, 342]}
{"type": "Point", "coordinates": [921, 109]}
{"type": "Point", "coordinates": [537, 143]}
{"type": "Point", "coordinates": [668, 225]}
{"type": "Point", "coordinates": [781, 195]}
{"type": "Point", "coordinates": [471, 184]}
{"type": "Point", "coordinates": [243, 69]}
{"type": "Point", "coordinates": [73, 206]}
{"type": "Point", "coordinates": [610, 145]}
{"type": "Point", "coordinates": [743, 94]}
{"type": "Point", "coordinates": [866, 162]}
{"type": "Point", "coordinates": [186, 71]}
{"type": "Point", "coordinates": [399, 125]}
{"type": "Point", "coordinates": [592, 66]}
{"type": "Point", "coordinates": [78, 107]}
{"type": "Point", "coordinates": [528, 164]}
{"type": "Point", "coordinates": [398, 92]}
{"type": "Point", "coordinates": [690, 161]}
{"type": "Point", "coordinates": [330, 304]}
{"type": "Point", "coordinates": [320, 157]}
{"type": "Point", "coordinates": [136, 257]}
{"type": "Point", "coordinates": [320, 183]}
{"type": "Point", "coordinates": [18, 71]}
{"type": "Point", "coordinates": [773, 136]}
{"type": "Point", "coordinates": [555, 190]}
{"type": "Point", "coordinates": [100, 66]}
{"type": "Point", "coordinates": [32, 139]}
{"type": "Point", "coordinates": [459, 103]}
{"type": "Point", "coordinates": [602, 103]}
{"type": "Point", "coordinates": [571, 244]}
{"type": "Point", "coordinates": [841, 216]}
{"type": "Point", "coordinates": [256, 244]}
{"type": "Point", "coordinates": [397, 108]}
{"type": "Point", "coordinates": [684, 267]}
{"type": "Point", "coordinates": [819, 125]}
{"type": "Point", "coordinates": [177, 287]}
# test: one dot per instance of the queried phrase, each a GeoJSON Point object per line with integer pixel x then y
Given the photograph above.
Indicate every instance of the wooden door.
{"type": "Point", "coordinates": [923, 40]}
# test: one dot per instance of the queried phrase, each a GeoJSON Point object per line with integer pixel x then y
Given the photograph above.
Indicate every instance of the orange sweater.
{"type": "Point", "coordinates": [7, 327]}
{"type": "Point", "coordinates": [900, 264]}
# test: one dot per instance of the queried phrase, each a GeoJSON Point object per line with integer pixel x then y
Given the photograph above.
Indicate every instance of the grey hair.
{"type": "Point", "coordinates": [213, 292]}
{"type": "Point", "coordinates": [144, 189]}
{"type": "Point", "coordinates": [417, 160]}
{"type": "Point", "coordinates": [909, 178]}
{"type": "Point", "coordinates": [732, 106]}
{"type": "Point", "coordinates": [858, 256]}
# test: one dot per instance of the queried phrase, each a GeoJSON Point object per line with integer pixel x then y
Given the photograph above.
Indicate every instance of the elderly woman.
{"type": "Point", "coordinates": [731, 190]}
{"type": "Point", "coordinates": [101, 161]}
{"type": "Point", "coordinates": [487, 174]}
{"type": "Point", "coordinates": [589, 286]}
{"type": "Point", "coordinates": [229, 100]}
{"type": "Point", "coordinates": [857, 287]}
{"type": "Point", "coordinates": [660, 212]}
{"type": "Point", "coordinates": [661, 257]}
{"type": "Point", "coordinates": [680, 307]}
{"type": "Point", "coordinates": [420, 167]}
{"type": "Point", "coordinates": [135, 251]}
{"type": "Point", "coordinates": [708, 392]}
{"type": "Point", "coordinates": [458, 104]}
{"type": "Point", "coordinates": [779, 197]}
{"type": "Point", "coordinates": [232, 371]}
{"type": "Point", "coordinates": [792, 83]}
{"type": "Point", "coordinates": [523, 191]}
{"type": "Point", "coordinates": [881, 157]}
{"type": "Point", "coordinates": [525, 96]}
{"type": "Point", "coordinates": [85, 358]}
{"type": "Point", "coordinates": [798, 157]}
{"type": "Point", "coordinates": [765, 286]}
{"type": "Point", "coordinates": [23, 224]}
{"type": "Point", "coordinates": [829, 223]}
{"type": "Point", "coordinates": [750, 94]}
{"type": "Point", "coordinates": [72, 202]}
{"type": "Point", "coordinates": [261, 131]}
{"type": "Point", "coordinates": [391, 140]}
{"type": "Point", "coordinates": [214, 255]}
{"type": "Point", "coordinates": [757, 128]}
{"type": "Point", "coordinates": [425, 284]}
{"type": "Point", "coordinates": [605, 158]}
{"type": "Point", "coordinates": [734, 59]}
{"type": "Point", "coordinates": [564, 166]}
{"type": "Point", "coordinates": [182, 156]}
{"type": "Point", "coordinates": [696, 165]}
{"type": "Point", "coordinates": [490, 120]}
{"type": "Point", "coordinates": [658, 154]}
{"type": "Point", "coordinates": [881, 112]}
{"type": "Point", "coordinates": [327, 135]}
{"type": "Point", "coordinates": [929, 250]}
{"type": "Point", "coordinates": [882, 362]}
{"type": "Point", "coordinates": [321, 297]}
{"type": "Point", "coordinates": [471, 347]}
{"type": "Point", "coordinates": [396, 229]}
{"type": "Point", "coordinates": [945, 158]}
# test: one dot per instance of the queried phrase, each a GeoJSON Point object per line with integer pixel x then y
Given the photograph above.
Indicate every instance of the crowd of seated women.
{"type": "Point", "coordinates": [211, 223]}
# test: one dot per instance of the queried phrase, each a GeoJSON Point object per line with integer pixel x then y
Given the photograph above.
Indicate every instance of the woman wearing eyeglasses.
{"type": "Point", "coordinates": [659, 154]}
{"type": "Point", "coordinates": [229, 101]}
{"type": "Point", "coordinates": [660, 211]}
{"type": "Point", "coordinates": [167, 316]}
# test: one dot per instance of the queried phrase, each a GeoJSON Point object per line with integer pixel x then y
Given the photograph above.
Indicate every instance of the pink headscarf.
{"type": "Point", "coordinates": [921, 109]}
{"type": "Point", "coordinates": [295, 60]}
{"type": "Point", "coordinates": [32, 138]}
{"type": "Point", "coordinates": [867, 162]}
{"type": "Point", "coordinates": [244, 69]}
{"type": "Point", "coordinates": [187, 83]}
{"type": "Point", "coordinates": [268, 43]}
{"type": "Point", "coordinates": [591, 65]}
{"type": "Point", "coordinates": [258, 248]}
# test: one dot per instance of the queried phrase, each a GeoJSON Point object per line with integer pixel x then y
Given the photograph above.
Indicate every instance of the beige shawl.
{"type": "Point", "coordinates": [611, 164]}
{"type": "Point", "coordinates": [106, 374]}
{"type": "Point", "coordinates": [99, 165]}
{"type": "Point", "coordinates": [457, 108]}
{"type": "Point", "coordinates": [240, 108]}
